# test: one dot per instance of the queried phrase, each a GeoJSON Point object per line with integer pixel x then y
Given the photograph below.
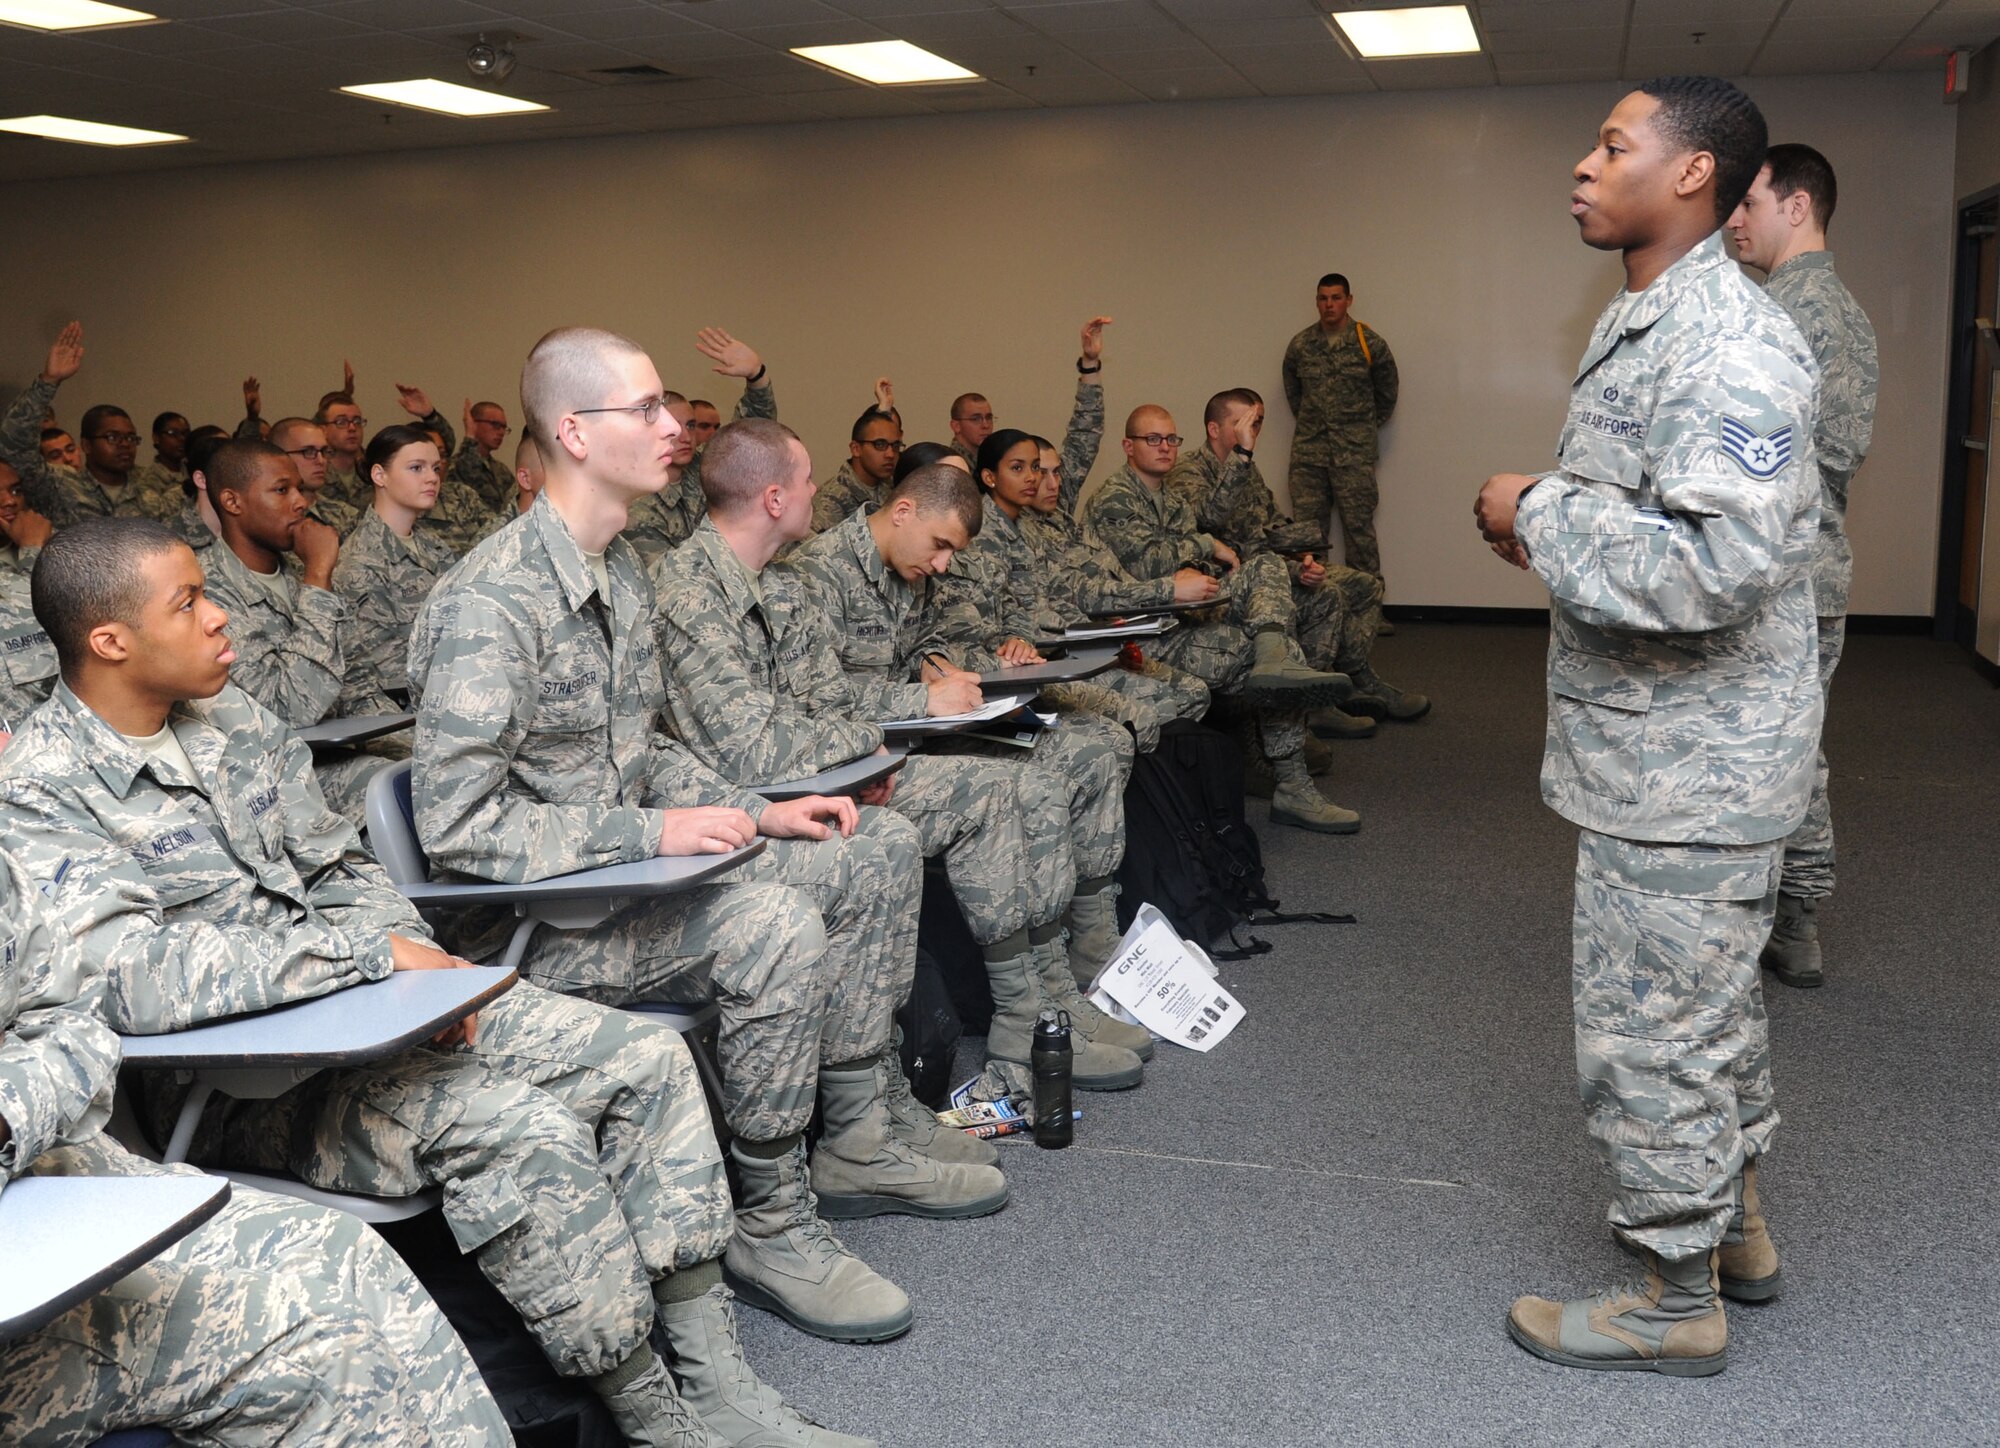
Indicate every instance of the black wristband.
{"type": "Point", "coordinates": [1090, 371]}
{"type": "Point", "coordinates": [1239, 448]}
{"type": "Point", "coordinates": [758, 376]}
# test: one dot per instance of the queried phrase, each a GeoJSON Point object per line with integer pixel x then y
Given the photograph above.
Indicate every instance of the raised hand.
{"type": "Point", "coordinates": [347, 377]}
{"type": "Point", "coordinates": [885, 396]}
{"type": "Point", "coordinates": [414, 400]}
{"type": "Point", "coordinates": [732, 358]}
{"type": "Point", "coordinates": [253, 397]}
{"type": "Point", "coordinates": [1093, 338]}
{"type": "Point", "coordinates": [466, 431]}
{"type": "Point", "coordinates": [65, 354]}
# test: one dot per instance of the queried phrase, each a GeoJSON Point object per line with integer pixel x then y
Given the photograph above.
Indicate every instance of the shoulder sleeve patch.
{"type": "Point", "coordinates": [1761, 455]}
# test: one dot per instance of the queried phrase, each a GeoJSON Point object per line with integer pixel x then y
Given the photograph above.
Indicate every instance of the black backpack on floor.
{"type": "Point", "coordinates": [1190, 851]}
{"type": "Point", "coordinates": [931, 1029]}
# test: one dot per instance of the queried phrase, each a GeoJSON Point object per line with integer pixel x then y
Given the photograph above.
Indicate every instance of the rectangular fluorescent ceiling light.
{"type": "Point", "coordinates": [1422, 30]}
{"type": "Point", "coordinates": [444, 98]}
{"type": "Point", "coordinates": [88, 133]}
{"type": "Point", "coordinates": [68, 14]}
{"type": "Point", "coordinates": [885, 62]}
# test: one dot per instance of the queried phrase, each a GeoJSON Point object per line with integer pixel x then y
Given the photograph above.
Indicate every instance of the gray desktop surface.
{"type": "Point", "coordinates": [68, 1238]}
{"type": "Point", "coordinates": [856, 774]}
{"type": "Point", "coordinates": [361, 1023]}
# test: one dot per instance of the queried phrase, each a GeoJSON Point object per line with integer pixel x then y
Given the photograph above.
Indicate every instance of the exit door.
{"type": "Point", "coordinates": [1968, 592]}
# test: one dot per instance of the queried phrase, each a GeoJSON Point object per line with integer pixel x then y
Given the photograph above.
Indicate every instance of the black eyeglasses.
{"type": "Point", "coordinates": [1154, 439]}
{"type": "Point", "coordinates": [647, 410]}
{"type": "Point", "coordinates": [883, 444]}
{"type": "Point", "coordinates": [130, 437]}
{"type": "Point", "coordinates": [489, 422]}
{"type": "Point", "coordinates": [173, 432]}
{"type": "Point", "coordinates": [310, 454]}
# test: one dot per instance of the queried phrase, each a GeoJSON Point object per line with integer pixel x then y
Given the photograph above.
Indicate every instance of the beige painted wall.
{"type": "Point", "coordinates": [961, 253]}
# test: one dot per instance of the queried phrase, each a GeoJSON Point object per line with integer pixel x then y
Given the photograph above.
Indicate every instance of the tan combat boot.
{"type": "Point", "coordinates": [1298, 802]}
{"type": "Point", "coordinates": [639, 1395]}
{"type": "Point", "coordinates": [1280, 678]}
{"type": "Point", "coordinates": [1747, 1262]}
{"type": "Point", "coordinates": [917, 1127]}
{"type": "Point", "coordinates": [1380, 699]}
{"type": "Point", "coordinates": [1670, 1322]}
{"type": "Point", "coordinates": [1015, 980]}
{"type": "Point", "coordinates": [786, 1260]}
{"type": "Point", "coordinates": [1092, 918]}
{"type": "Point", "coordinates": [1792, 953]}
{"type": "Point", "coordinates": [859, 1169]}
{"type": "Point", "coordinates": [1059, 992]}
{"type": "Point", "coordinates": [717, 1381]}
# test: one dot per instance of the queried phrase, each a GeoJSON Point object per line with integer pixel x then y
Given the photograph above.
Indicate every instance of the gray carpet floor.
{"type": "Point", "coordinates": [1311, 1235]}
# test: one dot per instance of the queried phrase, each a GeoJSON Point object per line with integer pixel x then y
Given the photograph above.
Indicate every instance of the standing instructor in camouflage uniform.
{"type": "Point", "coordinates": [1340, 379]}
{"type": "Point", "coordinates": [1684, 706]}
{"type": "Point", "coordinates": [1780, 229]}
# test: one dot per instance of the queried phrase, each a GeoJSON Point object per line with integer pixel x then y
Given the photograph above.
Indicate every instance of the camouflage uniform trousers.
{"type": "Point", "coordinates": [1809, 855]}
{"type": "Point", "coordinates": [1091, 758]}
{"type": "Point", "coordinates": [1338, 621]}
{"type": "Point", "coordinates": [572, 1143]}
{"type": "Point", "coordinates": [804, 975]}
{"type": "Point", "coordinates": [343, 774]}
{"type": "Point", "coordinates": [1004, 835]}
{"type": "Point", "coordinates": [1142, 700]}
{"type": "Point", "coordinates": [1672, 1043]}
{"type": "Point", "coordinates": [1220, 654]}
{"type": "Point", "coordinates": [1328, 476]}
{"type": "Point", "coordinates": [276, 1323]}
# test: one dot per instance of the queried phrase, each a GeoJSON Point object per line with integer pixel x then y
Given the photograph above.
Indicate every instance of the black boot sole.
{"type": "Point", "coordinates": [1297, 696]}
{"type": "Point", "coordinates": [848, 1207]}
{"type": "Point", "coordinates": [1797, 980]}
{"type": "Point", "coordinates": [1700, 1367]}
{"type": "Point", "coordinates": [756, 1296]}
{"type": "Point", "coordinates": [1749, 1289]}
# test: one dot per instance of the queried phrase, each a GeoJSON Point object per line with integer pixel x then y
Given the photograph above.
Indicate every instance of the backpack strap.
{"type": "Point", "coordinates": [1361, 336]}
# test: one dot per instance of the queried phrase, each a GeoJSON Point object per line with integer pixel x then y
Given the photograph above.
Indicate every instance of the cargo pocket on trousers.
{"type": "Point", "coordinates": [488, 1214]}
{"type": "Point", "coordinates": [1599, 711]}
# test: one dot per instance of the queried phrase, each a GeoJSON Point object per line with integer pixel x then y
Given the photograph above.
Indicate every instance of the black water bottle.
{"type": "Point", "coordinates": [1054, 1123]}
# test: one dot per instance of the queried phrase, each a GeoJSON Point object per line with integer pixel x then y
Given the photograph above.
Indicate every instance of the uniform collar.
{"type": "Point", "coordinates": [117, 761]}
{"type": "Point", "coordinates": [1821, 260]}
{"type": "Point", "coordinates": [1641, 310]}
{"type": "Point", "coordinates": [738, 585]}
{"type": "Point", "coordinates": [253, 585]}
{"type": "Point", "coordinates": [565, 555]}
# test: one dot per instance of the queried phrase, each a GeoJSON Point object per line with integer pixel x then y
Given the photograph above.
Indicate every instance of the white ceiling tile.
{"type": "Point", "coordinates": [1441, 72]}
{"type": "Point", "coordinates": [284, 27]}
{"type": "Point", "coordinates": [1703, 14]}
{"type": "Point", "coordinates": [1225, 12]}
{"type": "Point", "coordinates": [1133, 17]}
{"type": "Point", "coordinates": [1308, 31]}
{"type": "Point", "coordinates": [1561, 75]}
{"type": "Point", "coordinates": [897, 10]}
{"type": "Point", "coordinates": [931, 30]}
{"type": "Point", "coordinates": [1074, 90]}
{"type": "Point", "coordinates": [1142, 62]}
{"type": "Point", "coordinates": [1193, 85]}
{"type": "Point", "coordinates": [1645, 62]}
{"type": "Point", "coordinates": [1829, 57]}
{"type": "Point", "coordinates": [1306, 81]}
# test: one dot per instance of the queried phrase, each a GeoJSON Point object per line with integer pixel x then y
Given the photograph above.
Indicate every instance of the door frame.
{"type": "Point", "coordinates": [1948, 619]}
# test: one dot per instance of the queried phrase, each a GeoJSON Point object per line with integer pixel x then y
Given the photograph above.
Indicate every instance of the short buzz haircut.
{"type": "Point", "coordinates": [569, 368]}
{"type": "Point", "coordinates": [235, 464]}
{"type": "Point", "coordinates": [90, 574]}
{"type": "Point", "coordinates": [494, 405]}
{"type": "Point", "coordinates": [960, 401]}
{"type": "Point", "coordinates": [1219, 405]}
{"type": "Point", "coordinates": [1796, 168]}
{"type": "Point", "coordinates": [94, 418]}
{"type": "Point", "coordinates": [202, 444]}
{"type": "Point", "coordinates": [527, 453]}
{"type": "Point", "coordinates": [1335, 279]}
{"type": "Point", "coordinates": [871, 416]}
{"type": "Point", "coordinates": [160, 422]}
{"type": "Point", "coordinates": [942, 488]}
{"type": "Point", "coordinates": [704, 402]}
{"type": "Point", "coordinates": [333, 399]}
{"type": "Point", "coordinates": [285, 425]}
{"type": "Point", "coordinates": [1707, 113]}
{"type": "Point", "coordinates": [50, 434]}
{"type": "Point", "coordinates": [742, 460]}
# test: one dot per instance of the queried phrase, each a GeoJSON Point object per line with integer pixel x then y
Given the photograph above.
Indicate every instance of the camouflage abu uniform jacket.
{"type": "Point", "coordinates": [1675, 538]}
{"type": "Point", "coordinates": [1084, 576]}
{"type": "Point", "coordinates": [754, 684]}
{"type": "Point", "coordinates": [61, 494]}
{"type": "Point", "coordinates": [1843, 343]}
{"type": "Point", "coordinates": [288, 655]}
{"type": "Point", "coordinates": [843, 493]}
{"type": "Point", "coordinates": [1231, 500]}
{"type": "Point", "coordinates": [382, 578]}
{"type": "Point", "coordinates": [877, 617]}
{"type": "Point", "coordinates": [529, 765]}
{"type": "Point", "coordinates": [485, 474]}
{"type": "Point", "coordinates": [27, 658]}
{"type": "Point", "coordinates": [1152, 531]}
{"type": "Point", "coordinates": [1340, 396]}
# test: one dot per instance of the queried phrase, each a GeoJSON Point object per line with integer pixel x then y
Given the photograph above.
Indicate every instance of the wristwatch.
{"type": "Point", "coordinates": [1092, 369]}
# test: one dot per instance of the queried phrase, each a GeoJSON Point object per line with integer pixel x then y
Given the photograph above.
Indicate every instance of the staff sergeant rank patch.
{"type": "Point", "coordinates": [1761, 455]}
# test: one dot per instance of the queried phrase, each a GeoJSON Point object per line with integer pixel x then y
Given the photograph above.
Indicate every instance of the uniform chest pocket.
{"type": "Point", "coordinates": [1599, 709]}
{"type": "Point", "coordinates": [573, 701]}
{"type": "Point", "coordinates": [27, 655]}
{"type": "Point", "coordinates": [184, 862]}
